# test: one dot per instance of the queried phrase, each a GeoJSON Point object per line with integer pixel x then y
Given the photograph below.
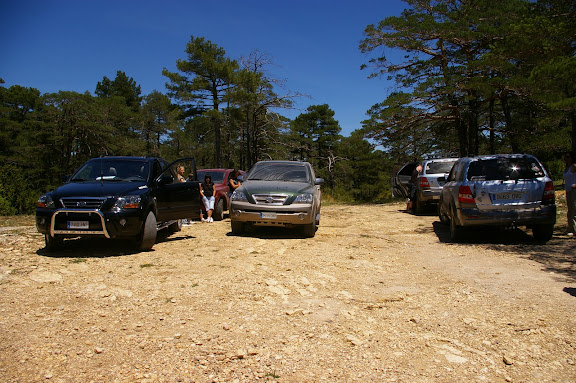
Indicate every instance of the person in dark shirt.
{"type": "Point", "coordinates": [413, 186]}
{"type": "Point", "coordinates": [208, 190]}
{"type": "Point", "coordinates": [233, 182]}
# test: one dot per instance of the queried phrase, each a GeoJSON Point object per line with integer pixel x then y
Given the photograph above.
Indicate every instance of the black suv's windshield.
{"type": "Point", "coordinates": [279, 172]}
{"type": "Point", "coordinates": [504, 169]}
{"type": "Point", "coordinates": [112, 170]}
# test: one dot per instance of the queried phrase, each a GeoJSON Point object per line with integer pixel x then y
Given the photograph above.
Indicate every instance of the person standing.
{"type": "Point", "coordinates": [413, 187]}
{"type": "Point", "coordinates": [570, 188]}
{"type": "Point", "coordinates": [180, 174]}
{"type": "Point", "coordinates": [208, 190]}
{"type": "Point", "coordinates": [233, 182]}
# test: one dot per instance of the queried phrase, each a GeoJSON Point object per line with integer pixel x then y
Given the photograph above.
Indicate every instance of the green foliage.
{"type": "Point", "coordinates": [475, 78]}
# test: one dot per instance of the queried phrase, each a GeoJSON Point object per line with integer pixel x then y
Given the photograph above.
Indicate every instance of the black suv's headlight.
{"type": "Point", "coordinates": [127, 202]}
{"type": "Point", "coordinates": [45, 201]}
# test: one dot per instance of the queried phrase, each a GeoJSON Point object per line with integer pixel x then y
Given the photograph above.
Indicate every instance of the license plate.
{"type": "Point", "coordinates": [78, 225]}
{"type": "Point", "coordinates": [268, 215]}
{"type": "Point", "coordinates": [506, 196]}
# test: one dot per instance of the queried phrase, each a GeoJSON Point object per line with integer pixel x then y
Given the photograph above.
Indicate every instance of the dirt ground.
{"type": "Point", "coordinates": [378, 295]}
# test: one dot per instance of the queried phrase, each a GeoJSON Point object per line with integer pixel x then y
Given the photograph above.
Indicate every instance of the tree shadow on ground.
{"type": "Point", "coordinates": [556, 256]}
{"type": "Point", "coordinates": [97, 247]}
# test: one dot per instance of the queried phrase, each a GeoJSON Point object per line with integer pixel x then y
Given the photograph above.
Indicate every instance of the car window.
{"type": "Point", "coordinates": [504, 169]}
{"type": "Point", "coordinates": [217, 176]}
{"type": "Point", "coordinates": [438, 167]}
{"type": "Point", "coordinates": [279, 172]}
{"type": "Point", "coordinates": [112, 170]}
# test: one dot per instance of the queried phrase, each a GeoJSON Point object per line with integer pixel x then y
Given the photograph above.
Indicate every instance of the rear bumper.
{"type": "Point", "coordinates": [544, 215]}
{"type": "Point", "coordinates": [429, 195]}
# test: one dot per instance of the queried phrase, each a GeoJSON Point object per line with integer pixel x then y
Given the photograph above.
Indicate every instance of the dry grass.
{"type": "Point", "coordinates": [16, 220]}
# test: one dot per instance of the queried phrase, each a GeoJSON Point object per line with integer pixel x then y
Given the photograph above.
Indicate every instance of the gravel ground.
{"type": "Point", "coordinates": [378, 295]}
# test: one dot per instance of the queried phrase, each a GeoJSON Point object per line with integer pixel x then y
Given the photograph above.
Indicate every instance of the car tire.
{"type": "Point", "coordinates": [149, 233]}
{"type": "Point", "coordinates": [309, 230]}
{"type": "Point", "coordinates": [53, 243]}
{"type": "Point", "coordinates": [543, 232]}
{"type": "Point", "coordinates": [418, 206]}
{"type": "Point", "coordinates": [218, 213]}
{"type": "Point", "coordinates": [455, 230]}
{"type": "Point", "coordinates": [176, 226]}
{"type": "Point", "coordinates": [442, 214]}
{"type": "Point", "coordinates": [237, 227]}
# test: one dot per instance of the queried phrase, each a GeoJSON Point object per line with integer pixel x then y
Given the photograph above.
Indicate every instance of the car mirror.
{"type": "Point", "coordinates": [319, 181]}
{"type": "Point", "coordinates": [240, 178]}
{"type": "Point", "coordinates": [442, 179]}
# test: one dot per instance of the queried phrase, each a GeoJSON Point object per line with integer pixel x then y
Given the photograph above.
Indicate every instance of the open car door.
{"type": "Point", "coordinates": [401, 180]}
{"type": "Point", "coordinates": [177, 191]}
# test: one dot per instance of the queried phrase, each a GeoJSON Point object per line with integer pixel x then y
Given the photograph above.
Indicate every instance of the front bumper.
{"type": "Point", "coordinates": [544, 215]}
{"type": "Point", "coordinates": [60, 222]}
{"type": "Point", "coordinates": [276, 215]}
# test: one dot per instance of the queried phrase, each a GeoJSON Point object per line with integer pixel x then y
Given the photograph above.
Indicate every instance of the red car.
{"type": "Point", "coordinates": [222, 198]}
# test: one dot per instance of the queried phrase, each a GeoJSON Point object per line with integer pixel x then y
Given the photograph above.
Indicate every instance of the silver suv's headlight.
{"type": "Point", "coordinates": [45, 201]}
{"type": "Point", "coordinates": [127, 202]}
{"type": "Point", "coordinates": [239, 196]}
{"type": "Point", "coordinates": [304, 198]}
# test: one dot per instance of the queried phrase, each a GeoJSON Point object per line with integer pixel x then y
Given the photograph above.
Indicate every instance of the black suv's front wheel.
{"type": "Point", "coordinates": [53, 243]}
{"type": "Point", "coordinates": [149, 232]}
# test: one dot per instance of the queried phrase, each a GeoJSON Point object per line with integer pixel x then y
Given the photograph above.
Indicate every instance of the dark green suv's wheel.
{"type": "Point", "coordinates": [309, 230]}
{"type": "Point", "coordinates": [237, 227]}
{"type": "Point", "coordinates": [52, 243]}
{"type": "Point", "coordinates": [149, 232]}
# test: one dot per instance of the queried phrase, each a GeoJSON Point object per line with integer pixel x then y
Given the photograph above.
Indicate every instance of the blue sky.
{"type": "Point", "coordinates": [57, 45]}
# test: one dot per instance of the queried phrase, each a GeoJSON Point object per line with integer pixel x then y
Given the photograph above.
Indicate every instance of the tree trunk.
{"type": "Point", "coordinates": [492, 133]}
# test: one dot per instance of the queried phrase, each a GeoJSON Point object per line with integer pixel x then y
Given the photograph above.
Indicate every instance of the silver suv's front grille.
{"type": "Point", "coordinates": [270, 199]}
{"type": "Point", "coordinates": [82, 202]}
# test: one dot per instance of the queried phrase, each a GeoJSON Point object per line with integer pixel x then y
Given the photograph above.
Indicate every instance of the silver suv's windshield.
{"type": "Point", "coordinates": [504, 169]}
{"type": "Point", "coordinates": [112, 170]}
{"type": "Point", "coordinates": [279, 172]}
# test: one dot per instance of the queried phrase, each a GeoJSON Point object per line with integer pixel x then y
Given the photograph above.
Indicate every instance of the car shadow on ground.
{"type": "Point", "coordinates": [104, 248]}
{"type": "Point", "coordinates": [556, 256]}
{"type": "Point", "coordinates": [266, 232]}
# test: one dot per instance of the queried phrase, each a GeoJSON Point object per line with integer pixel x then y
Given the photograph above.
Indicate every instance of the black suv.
{"type": "Point", "coordinates": [120, 197]}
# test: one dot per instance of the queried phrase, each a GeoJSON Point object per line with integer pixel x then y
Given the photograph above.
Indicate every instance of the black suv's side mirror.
{"type": "Point", "coordinates": [442, 179]}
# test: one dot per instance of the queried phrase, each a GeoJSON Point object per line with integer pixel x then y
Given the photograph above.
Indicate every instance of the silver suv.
{"type": "Point", "coordinates": [429, 183]}
{"type": "Point", "coordinates": [499, 190]}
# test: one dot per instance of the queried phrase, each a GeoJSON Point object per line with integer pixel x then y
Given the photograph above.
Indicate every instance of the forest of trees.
{"type": "Point", "coordinates": [470, 78]}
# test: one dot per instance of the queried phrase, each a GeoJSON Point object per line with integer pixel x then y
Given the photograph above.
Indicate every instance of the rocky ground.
{"type": "Point", "coordinates": [378, 295]}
